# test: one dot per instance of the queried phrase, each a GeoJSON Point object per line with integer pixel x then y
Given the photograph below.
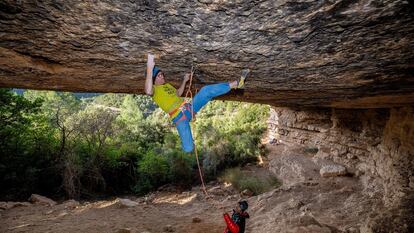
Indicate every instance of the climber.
{"type": "Point", "coordinates": [237, 222]}
{"type": "Point", "coordinates": [169, 99]}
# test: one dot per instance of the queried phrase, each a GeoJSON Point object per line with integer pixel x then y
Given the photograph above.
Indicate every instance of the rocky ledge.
{"type": "Point", "coordinates": [344, 53]}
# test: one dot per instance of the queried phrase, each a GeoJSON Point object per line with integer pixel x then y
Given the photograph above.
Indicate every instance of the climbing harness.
{"type": "Point", "coordinates": [184, 109]}
{"type": "Point", "coordinates": [177, 109]}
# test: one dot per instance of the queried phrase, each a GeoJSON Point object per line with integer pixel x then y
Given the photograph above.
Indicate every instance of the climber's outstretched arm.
{"type": "Point", "coordinates": [148, 79]}
{"type": "Point", "coordinates": [180, 90]}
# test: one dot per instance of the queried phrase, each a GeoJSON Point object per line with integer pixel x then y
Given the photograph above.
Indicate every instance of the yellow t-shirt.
{"type": "Point", "coordinates": [166, 97]}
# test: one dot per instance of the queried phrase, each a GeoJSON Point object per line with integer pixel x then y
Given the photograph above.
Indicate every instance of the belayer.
{"type": "Point", "coordinates": [237, 222]}
{"type": "Point", "coordinates": [169, 99]}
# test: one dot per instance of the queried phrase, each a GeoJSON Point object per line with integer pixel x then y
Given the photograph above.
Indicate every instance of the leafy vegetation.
{"type": "Point", "coordinates": [56, 144]}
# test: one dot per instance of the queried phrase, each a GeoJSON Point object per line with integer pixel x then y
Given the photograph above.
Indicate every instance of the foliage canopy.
{"type": "Point", "coordinates": [57, 144]}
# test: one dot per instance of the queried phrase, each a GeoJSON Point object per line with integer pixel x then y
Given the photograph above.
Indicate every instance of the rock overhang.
{"type": "Point", "coordinates": [343, 54]}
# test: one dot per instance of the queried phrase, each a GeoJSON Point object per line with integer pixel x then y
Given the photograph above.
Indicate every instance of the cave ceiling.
{"type": "Point", "coordinates": [344, 53]}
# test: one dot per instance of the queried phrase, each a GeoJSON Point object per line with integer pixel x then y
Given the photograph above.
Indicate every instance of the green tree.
{"type": "Point", "coordinates": [94, 129]}
{"type": "Point", "coordinates": [26, 147]}
{"type": "Point", "coordinates": [57, 107]}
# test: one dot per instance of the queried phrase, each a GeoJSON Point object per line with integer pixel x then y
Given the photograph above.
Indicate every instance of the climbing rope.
{"type": "Point", "coordinates": [187, 94]}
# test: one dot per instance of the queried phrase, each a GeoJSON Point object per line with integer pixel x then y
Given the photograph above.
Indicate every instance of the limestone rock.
{"type": "Point", "coordinates": [70, 204]}
{"type": "Point", "coordinates": [373, 144]}
{"type": "Point", "coordinates": [126, 203]}
{"type": "Point", "coordinates": [292, 168]}
{"type": "Point", "coordinates": [35, 198]}
{"type": "Point", "coordinates": [301, 53]}
{"type": "Point", "coordinates": [332, 170]}
{"type": "Point", "coordinates": [11, 205]}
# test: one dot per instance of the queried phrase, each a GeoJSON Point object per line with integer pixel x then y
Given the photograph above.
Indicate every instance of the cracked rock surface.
{"type": "Point", "coordinates": [343, 53]}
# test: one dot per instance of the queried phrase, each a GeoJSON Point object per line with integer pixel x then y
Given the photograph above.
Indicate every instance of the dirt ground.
{"type": "Point", "coordinates": [306, 202]}
{"type": "Point", "coordinates": [166, 212]}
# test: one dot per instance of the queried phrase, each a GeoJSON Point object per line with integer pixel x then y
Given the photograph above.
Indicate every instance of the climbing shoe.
{"type": "Point", "coordinates": [243, 77]}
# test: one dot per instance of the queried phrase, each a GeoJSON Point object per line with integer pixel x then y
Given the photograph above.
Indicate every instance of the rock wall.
{"type": "Point", "coordinates": [358, 51]}
{"type": "Point", "coordinates": [375, 145]}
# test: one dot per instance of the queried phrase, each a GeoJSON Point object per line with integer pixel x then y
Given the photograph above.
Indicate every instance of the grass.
{"type": "Point", "coordinates": [257, 183]}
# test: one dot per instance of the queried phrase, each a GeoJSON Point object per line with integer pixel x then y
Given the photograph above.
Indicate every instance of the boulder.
{"type": "Point", "coordinates": [332, 170]}
{"type": "Point", "coordinates": [70, 204]}
{"type": "Point", "coordinates": [126, 203]}
{"type": "Point", "coordinates": [39, 199]}
{"type": "Point", "coordinates": [292, 168]}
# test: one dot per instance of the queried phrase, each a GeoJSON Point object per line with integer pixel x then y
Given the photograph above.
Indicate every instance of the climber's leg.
{"type": "Point", "coordinates": [184, 130]}
{"type": "Point", "coordinates": [207, 93]}
{"type": "Point", "coordinates": [182, 122]}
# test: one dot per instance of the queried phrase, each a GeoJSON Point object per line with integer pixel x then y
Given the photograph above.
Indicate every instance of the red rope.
{"type": "Point", "coordinates": [208, 197]}
{"type": "Point", "coordinates": [189, 92]}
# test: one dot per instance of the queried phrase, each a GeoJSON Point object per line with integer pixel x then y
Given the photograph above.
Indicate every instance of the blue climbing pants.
{"type": "Point", "coordinates": [182, 120]}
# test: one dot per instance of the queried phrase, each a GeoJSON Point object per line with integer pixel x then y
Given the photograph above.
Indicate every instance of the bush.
{"type": "Point", "coordinates": [229, 133]}
{"type": "Point", "coordinates": [153, 171]}
{"type": "Point", "coordinates": [181, 169]}
{"type": "Point", "coordinates": [242, 180]}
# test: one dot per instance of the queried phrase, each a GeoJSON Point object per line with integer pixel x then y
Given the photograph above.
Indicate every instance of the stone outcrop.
{"type": "Point", "coordinates": [333, 205]}
{"type": "Point", "coordinates": [375, 145]}
{"type": "Point", "coordinates": [36, 198]}
{"type": "Point", "coordinates": [126, 203]}
{"type": "Point", "coordinates": [343, 53]}
{"type": "Point", "coordinates": [70, 204]}
{"type": "Point", "coordinates": [332, 170]}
